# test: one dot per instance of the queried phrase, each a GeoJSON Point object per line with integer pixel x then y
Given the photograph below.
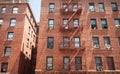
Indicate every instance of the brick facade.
{"type": "Point", "coordinates": [85, 33]}
{"type": "Point", "coordinates": [24, 37]}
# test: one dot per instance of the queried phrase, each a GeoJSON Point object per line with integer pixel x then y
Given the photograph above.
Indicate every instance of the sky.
{"type": "Point", "coordinates": [35, 5]}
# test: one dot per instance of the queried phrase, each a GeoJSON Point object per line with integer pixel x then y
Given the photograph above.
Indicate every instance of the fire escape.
{"type": "Point", "coordinates": [66, 28]}
{"type": "Point", "coordinates": [68, 44]}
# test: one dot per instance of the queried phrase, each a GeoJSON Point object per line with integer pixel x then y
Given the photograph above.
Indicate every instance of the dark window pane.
{"type": "Point", "coordinates": [50, 42]}
{"type": "Point", "coordinates": [98, 62]}
{"type": "Point", "coordinates": [93, 24]}
{"type": "Point", "coordinates": [104, 23]}
{"type": "Point", "coordinates": [66, 61]}
{"type": "Point", "coordinates": [66, 41]}
{"type": "Point", "coordinates": [96, 42]}
{"type": "Point", "coordinates": [101, 7]}
{"type": "Point", "coordinates": [110, 63]}
{"type": "Point", "coordinates": [114, 6]}
{"type": "Point", "coordinates": [78, 63]}
{"type": "Point", "coordinates": [4, 67]}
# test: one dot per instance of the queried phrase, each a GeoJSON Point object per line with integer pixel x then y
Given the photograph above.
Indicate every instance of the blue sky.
{"type": "Point", "coordinates": [35, 5]}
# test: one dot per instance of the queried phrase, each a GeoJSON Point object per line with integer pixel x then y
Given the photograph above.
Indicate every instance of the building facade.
{"type": "Point", "coordinates": [17, 37]}
{"type": "Point", "coordinates": [79, 36]}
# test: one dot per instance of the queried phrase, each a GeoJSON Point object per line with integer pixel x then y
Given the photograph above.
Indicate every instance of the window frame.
{"type": "Point", "coordinates": [7, 51]}
{"type": "Point", "coordinates": [101, 8]}
{"type": "Point", "coordinates": [9, 38]}
{"type": "Point", "coordinates": [50, 42]}
{"type": "Point", "coordinates": [4, 67]}
{"type": "Point", "coordinates": [96, 43]}
{"type": "Point", "coordinates": [51, 57]}
{"type": "Point", "coordinates": [119, 40]}
{"type": "Point", "coordinates": [111, 63]}
{"type": "Point", "coordinates": [104, 26]}
{"type": "Point", "coordinates": [66, 41]}
{"type": "Point", "coordinates": [93, 23]}
{"type": "Point", "coordinates": [1, 21]}
{"type": "Point", "coordinates": [91, 7]}
{"type": "Point", "coordinates": [51, 9]}
{"type": "Point", "coordinates": [114, 8]}
{"type": "Point", "coordinates": [75, 8]}
{"type": "Point", "coordinates": [78, 43]}
{"type": "Point", "coordinates": [68, 63]}
{"type": "Point", "coordinates": [51, 26]}
{"type": "Point", "coordinates": [78, 64]}
{"type": "Point", "coordinates": [75, 21]}
{"type": "Point", "coordinates": [12, 22]}
{"type": "Point", "coordinates": [98, 63]}
{"type": "Point", "coordinates": [15, 10]}
{"type": "Point", "coordinates": [3, 9]}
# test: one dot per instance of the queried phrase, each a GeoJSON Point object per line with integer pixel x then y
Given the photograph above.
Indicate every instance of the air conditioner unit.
{"type": "Point", "coordinates": [66, 9]}
{"type": "Point", "coordinates": [66, 27]}
{"type": "Point", "coordinates": [108, 46]}
{"type": "Point", "coordinates": [118, 26]}
{"type": "Point", "coordinates": [99, 68]}
{"type": "Point", "coordinates": [96, 46]}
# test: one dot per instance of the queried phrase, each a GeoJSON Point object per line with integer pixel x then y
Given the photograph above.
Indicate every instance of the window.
{"type": "Point", "coordinates": [3, 10]}
{"type": "Point", "coordinates": [66, 63]}
{"type": "Point", "coordinates": [66, 42]}
{"type": "Point", "coordinates": [101, 7]}
{"type": "Point", "coordinates": [114, 7]}
{"type": "Point", "coordinates": [49, 63]}
{"type": "Point", "coordinates": [107, 42]}
{"type": "Point", "coordinates": [104, 23]}
{"type": "Point", "coordinates": [50, 42]}
{"type": "Point", "coordinates": [78, 63]}
{"type": "Point", "coordinates": [4, 67]}
{"type": "Point", "coordinates": [10, 36]}
{"type": "Point", "coordinates": [96, 42]}
{"type": "Point", "coordinates": [65, 23]}
{"type": "Point", "coordinates": [75, 22]}
{"type": "Point", "coordinates": [98, 62]}
{"type": "Point", "coordinates": [91, 7]}
{"type": "Point", "coordinates": [110, 63]}
{"type": "Point", "coordinates": [117, 22]}
{"type": "Point", "coordinates": [29, 30]}
{"type": "Point", "coordinates": [51, 24]}
{"type": "Point", "coordinates": [27, 45]}
{"type": "Point", "coordinates": [1, 22]}
{"type": "Point", "coordinates": [12, 22]}
{"type": "Point", "coordinates": [75, 7]}
{"type": "Point", "coordinates": [64, 5]}
{"type": "Point", "coordinates": [51, 7]}
{"type": "Point", "coordinates": [7, 51]}
{"type": "Point", "coordinates": [15, 10]}
{"type": "Point", "coordinates": [77, 42]}
{"type": "Point", "coordinates": [93, 24]}
{"type": "Point", "coordinates": [119, 40]}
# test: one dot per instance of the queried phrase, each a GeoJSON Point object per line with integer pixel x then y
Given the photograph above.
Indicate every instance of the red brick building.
{"type": "Point", "coordinates": [79, 37]}
{"type": "Point", "coordinates": [17, 37]}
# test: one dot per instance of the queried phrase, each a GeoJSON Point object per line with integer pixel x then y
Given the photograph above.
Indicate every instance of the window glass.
{"type": "Point", "coordinates": [51, 7]}
{"type": "Point", "coordinates": [7, 51]}
{"type": "Point", "coordinates": [12, 22]}
{"type": "Point", "coordinates": [101, 7]}
{"type": "Point", "coordinates": [10, 36]}
{"type": "Point", "coordinates": [91, 7]}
